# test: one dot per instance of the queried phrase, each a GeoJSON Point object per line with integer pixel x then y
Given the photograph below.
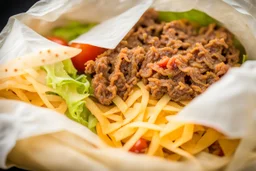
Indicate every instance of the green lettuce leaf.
{"type": "Point", "coordinates": [63, 78]}
{"type": "Point", "coordinates": [72, 30]}
{"type": "Point", "coordinates": [69, 68]}
{"type": "Point", "coordinates": [193, 15]}
{"type": "Point", "coordinates": [240, 47]}
{"type": "Point", "coordinates": [245, 57]}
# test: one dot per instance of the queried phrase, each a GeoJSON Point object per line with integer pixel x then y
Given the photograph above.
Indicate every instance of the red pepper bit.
{"type": "Point", "coordinates": [140, 146]}
{"type": "Point", "coordinates": [163, 62]}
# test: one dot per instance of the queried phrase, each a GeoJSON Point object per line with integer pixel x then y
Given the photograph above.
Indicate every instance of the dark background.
{"type": "Point", "coordinates": [12, 7]}
{"type": "Point", "coordinates": [7, 9]}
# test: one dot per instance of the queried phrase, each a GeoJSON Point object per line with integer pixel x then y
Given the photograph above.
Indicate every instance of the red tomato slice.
{"type": "Point", "coordinates": [89, 52]}
{"type": "Point", "coordinates": [58, 40]}
{"type": "Point", "coordinates": [140, 146]}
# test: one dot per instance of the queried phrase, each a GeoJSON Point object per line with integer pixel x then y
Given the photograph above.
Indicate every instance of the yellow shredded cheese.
{"type": "Point", "coordinates": [112, 111]}
{"type": "Point", "coordinates": [103, 137]}
{"type": "Point", "coordinates": [169, 145]}
{"type": "Point", "coordinates": [41, 91]}
{"type": "Point", "coordinates": [62, 108]}
{"type": "Point", "coordinates": [154, 145]}
{"type": "Point", "coordinates": [123, 132]}
{"type": "Point", "coordinates": [170, 127]}
{"type": "Point", "coordinates": [145, 125]}
{"type": "Point", "coordinates": [228, 146]}
{"type": "Point", "coordinates": [12, 84]}
{"type": "Point", "coordinates": [209, 137]}
{"type": "Point", "coordinates": [174, 157]}
{"type": "Point", "coordinates": [190, 145]}
{"type": "Point", "coordinates": [122, 106]}
{"type": "Point", "coordinates": [187, 135]}
{"type": "Point", "coordinates": [97, 113]}
{"type": "Point", "coordinates": [133, 97]}
{"type": "Point", "coordinates": [141, 116]}
{"type": "Point", "coordinates": [9, 95]}
{"type": "Point", "coordinates": [121, 125]}
{"type": "Point", "coordinates": [29, 88]}
{"type": "Point", "coordinates": [131, 114]}
{"type": "Point", "coordinates": [20, 95]}
{"type": "Point", "coordinates": [117, 118]}
{"type": "Point", "coordinates": [117, 143]}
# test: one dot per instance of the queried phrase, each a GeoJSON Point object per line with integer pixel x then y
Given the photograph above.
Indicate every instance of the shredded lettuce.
{"type": "Point", "coordinates": [202, 19]}
{"type": "Point", "coordinates": [245, 57]}
{"type": "Point", "coordinates": [240, 47]}
{"type": "Point", "coordinates": [63, 78]}
{"type": "Point", "coordinates": [72, 30]}
{"type": "Point", "coordinates": [69, 68]}
{"type": "Point", "coordinates": [193, 15]}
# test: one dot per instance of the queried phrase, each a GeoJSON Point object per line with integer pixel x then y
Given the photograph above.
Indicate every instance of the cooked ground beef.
{"type": "Point", "coordinates": [178, 58]}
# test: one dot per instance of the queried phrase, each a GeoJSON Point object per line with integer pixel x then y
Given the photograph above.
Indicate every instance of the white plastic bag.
{"type": "Point", "coordinates": [228, 106]}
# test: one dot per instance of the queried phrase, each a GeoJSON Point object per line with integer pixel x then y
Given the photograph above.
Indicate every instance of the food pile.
{"type": "Point", "coordinates": [178, 58]}
{"type": "Point", "coordinates": [129, 95]}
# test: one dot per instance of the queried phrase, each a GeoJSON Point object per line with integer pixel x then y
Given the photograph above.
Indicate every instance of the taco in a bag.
{"type": "Point", "coordinates": [128, 95]}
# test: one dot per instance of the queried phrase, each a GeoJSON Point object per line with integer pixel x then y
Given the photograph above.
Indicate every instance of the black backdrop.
{"type": "Point", "coordinates": [11, 7]}
{"type": "Point", "coordinates": [7, 9]}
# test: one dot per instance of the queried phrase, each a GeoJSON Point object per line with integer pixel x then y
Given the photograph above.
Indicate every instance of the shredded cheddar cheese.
{"type": "Point", "coordinates": [140, 116]}
{"type": "Point", "coordinates": [28, 88]}
{"type": "Point", "coordinates": [124, 123]}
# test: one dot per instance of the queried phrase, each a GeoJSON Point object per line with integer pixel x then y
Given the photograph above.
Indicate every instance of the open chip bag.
{"type": "Point", "coordinates": [142, 102]}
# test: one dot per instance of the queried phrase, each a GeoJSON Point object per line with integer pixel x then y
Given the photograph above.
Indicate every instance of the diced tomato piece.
{"type": "Point", "coordinates": [58, 40]}
{"type": "Point", "coordinates": [163, 62]}
{"type": "Point", "coordinates": [89, 52]}
{"type": "Point", "coordinates": [140, 146]}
